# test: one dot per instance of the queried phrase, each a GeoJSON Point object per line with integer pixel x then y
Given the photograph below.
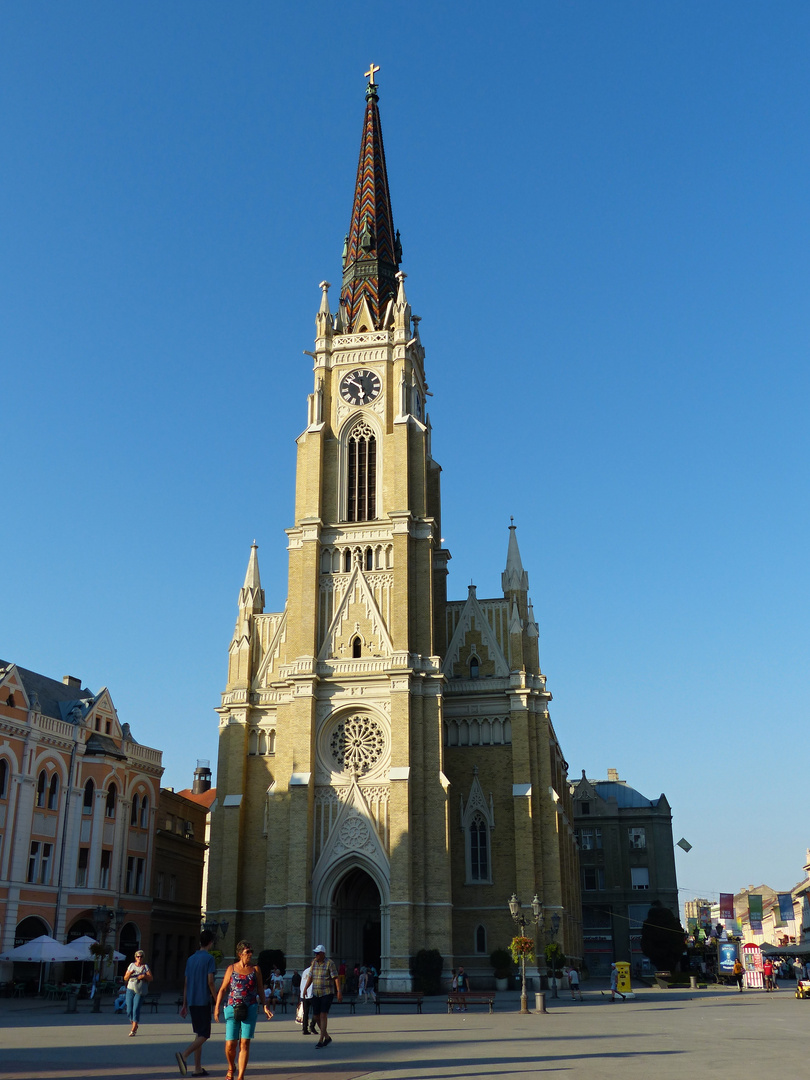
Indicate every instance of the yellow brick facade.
{"type": "Point", "coordinates": [364, 728]}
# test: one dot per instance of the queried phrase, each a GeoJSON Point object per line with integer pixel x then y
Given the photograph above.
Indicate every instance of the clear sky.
{"type": "Point", "coordinates": [604, 216]}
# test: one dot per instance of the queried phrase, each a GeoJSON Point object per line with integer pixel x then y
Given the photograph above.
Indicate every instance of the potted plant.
{"type": "Point", "coordinates": [501, 962]}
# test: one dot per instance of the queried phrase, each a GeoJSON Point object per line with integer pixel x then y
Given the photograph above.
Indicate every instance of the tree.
{"type": "Point", "coordinates": [662, 937]}
{"type": "Point", "coordinates": [427, 970]}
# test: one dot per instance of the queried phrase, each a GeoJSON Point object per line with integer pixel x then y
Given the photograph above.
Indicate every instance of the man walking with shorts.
{"type": "Point", "coordinates": [325, 986]}
{"type": "Point", "coordinates": [198, 990]}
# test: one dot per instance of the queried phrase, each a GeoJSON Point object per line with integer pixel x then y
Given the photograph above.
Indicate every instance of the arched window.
{"type": "Point", "coordinates": [136, 803]}
{"type": "Point", "coordinates": [479, 849]}
{"type": "Point", "coordinates": [53, 792]}
{"type": "Point", "coordinates": [473, 667]}
{"type": "Point", "coordinates": [89, 792]}
{"type": "Point", "coordinates": [480, 940]}
{"type": "Point", "coordinates": [3, 778]}
{"type": "Point", "coordinates": [112, 795]}
{"type": "Point", "coordinates": [361, 485]}
{"type": "Point", "coordinates": [42, 781]}
{"type": "Point", "coordinates": [369, 559]}
{"type": "Point", "coordinates": [253, 741]}
{"type": "Point", "coordinates": [356, 647]}
{"type": "Point", "coordinates": [10, 700]}
{"type": "Point", "coordinates": [145, 813]}
{"type": "Point", "coordinates": [347, 561]}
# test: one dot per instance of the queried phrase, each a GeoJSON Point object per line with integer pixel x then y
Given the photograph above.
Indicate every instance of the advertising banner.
{"type": "Point", "coordinates": [705, 916]}
{"type": "Point", "coordinates": [755, 911]}
{"type": "Point", "coordinates": [691, 924]}
{"type": "Point", "coordinates": [726, 905]}
{"type": "Point", "coordinates": [726, 955]}
{"type": "Point", "coordinates": [785, 906]}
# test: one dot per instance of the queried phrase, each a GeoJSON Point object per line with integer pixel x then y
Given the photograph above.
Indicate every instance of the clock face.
{"type": "Point", "coordinates": [360, 386]}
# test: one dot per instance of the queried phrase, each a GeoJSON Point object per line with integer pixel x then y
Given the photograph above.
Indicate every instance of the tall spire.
{"type": "Point", "coordinates": [372, 251]}
{"type": "Point", "coordinates": [251, 596]}
{"type": "Point", "coordinates": [514, 578]}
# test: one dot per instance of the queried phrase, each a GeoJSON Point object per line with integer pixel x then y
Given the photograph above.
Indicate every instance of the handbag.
{"type": "Point", "coordinates": [299, 1013]}
{"type": "Point", "coordinates": [239, 1011]}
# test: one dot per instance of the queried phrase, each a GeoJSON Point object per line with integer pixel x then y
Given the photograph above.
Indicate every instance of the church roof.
{"type": "Point", "coordinates": [372, 252]}
{"type": "Point", "coordinates": [624, 795]}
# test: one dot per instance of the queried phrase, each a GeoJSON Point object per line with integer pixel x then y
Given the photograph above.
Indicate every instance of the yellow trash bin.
{"type": "Point", "coordinates": [623, 969]}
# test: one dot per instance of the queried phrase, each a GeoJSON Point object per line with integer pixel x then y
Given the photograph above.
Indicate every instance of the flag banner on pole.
{"type": "Point", "coordinates": [726, 905]}
{"type": "Point", "coordinates": [755, 908]}
{"type": "Point", "coordinates": [785, 906]}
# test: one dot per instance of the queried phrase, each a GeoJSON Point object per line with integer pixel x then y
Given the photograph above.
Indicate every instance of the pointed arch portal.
{"type": "Point", "coordinates": [357, 920]}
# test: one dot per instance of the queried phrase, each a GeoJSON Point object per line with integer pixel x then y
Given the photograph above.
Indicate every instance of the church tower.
{"type": "Point", "coordinates": [354, 720]}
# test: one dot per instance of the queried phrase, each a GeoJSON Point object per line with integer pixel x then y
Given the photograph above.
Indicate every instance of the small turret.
{"type": "Point", "coordinates": [251, 597]}
{"type": "Point", "coordinates": [251, 602]}
{"type": "Point", "coordinates": [202, 777]}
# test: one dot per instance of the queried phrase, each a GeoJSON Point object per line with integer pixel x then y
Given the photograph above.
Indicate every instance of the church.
{"type": "Point", "coordinates": [388, 774]}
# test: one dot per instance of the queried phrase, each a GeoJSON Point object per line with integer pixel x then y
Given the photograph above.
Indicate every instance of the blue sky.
{"type": "Point", "coordinates": [604, 218]}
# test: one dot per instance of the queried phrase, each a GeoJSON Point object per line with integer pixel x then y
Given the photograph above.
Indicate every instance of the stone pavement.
{"type": "Point", "coordinates": [662, 1034]}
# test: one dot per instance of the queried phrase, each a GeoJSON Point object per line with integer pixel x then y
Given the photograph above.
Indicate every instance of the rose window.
{"type": "Point", "coordinates": [357, 744]}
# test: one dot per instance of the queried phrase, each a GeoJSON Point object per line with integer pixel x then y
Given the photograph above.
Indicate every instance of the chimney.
{"type": "Point", "coordinates": [613, 775]}
{"type": "Point", "coordinates": [71, 680]}
{"type": "Point", "coordinates": [202, 777]}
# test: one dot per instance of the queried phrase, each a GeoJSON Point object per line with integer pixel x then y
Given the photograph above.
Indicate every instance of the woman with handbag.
{"type": "Point", "coordinates": [136, 979]}
{"type": "Point", "coordinates": [244, 989]}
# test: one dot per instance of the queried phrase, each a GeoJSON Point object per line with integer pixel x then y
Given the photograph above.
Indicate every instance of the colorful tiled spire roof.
{"type": "Point", "coordinates": [372, 251]}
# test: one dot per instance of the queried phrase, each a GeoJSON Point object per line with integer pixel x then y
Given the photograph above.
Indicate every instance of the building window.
{"type": "Point", "coordinates": [104, 872]}
{"type": "Point", "coordinates": [638, 838]}
{"type": "Point", "coordinates": [159, 884]}
{"type": "Point", "coordinates": [81, 869]}
{"type": "Point", "coordinates": [112, 795]}
{"type": "Point", "coordinates": [356, 648]}
{"type": "Point", "coordinates": [637, 913]}
{"type": "Point", "coordinates": [139, 865]}
{"type": "Point", "coordinates": [361, 501]}
{"type": "Point", "coordinates": [53, 792]}
{"type": "Point", "coordinates": [89, 791]}
{"type": "Point", "coordinates": [584, 808]}
{"type": "Point", "coordinates": [479, 849]}
{"type": "Point", "coordinates": [172, 886]}
{"type": "Point", "coordinates": [136, 803]}
{"type": "Point", "coordinates": [639, 877]}
{"type": "Point", "coordinates": [42, 781]}
{"type": "Point", "coordinates": [134, 882]}
{"type": "Point", "coordinates": [130, 880]}
{"type": "Point", "coordinates": [33, 861]}
{"type": "Point", "coordinates": [480, 940]}
{"type": "Point", "coordinates": [589, 839]}
{"type": "Point", "coordinates": [593, 878]}
{"type": "Point", "coordinates": [45, 865]}
{"type": "Point", "coordinates": [145, 813]}
{"type": "Point", "coordinates": [369, 559]}
{"type": "Point", "coordinates": [474, 667]}
{"type": "Point", "coordinates": [3, 778]}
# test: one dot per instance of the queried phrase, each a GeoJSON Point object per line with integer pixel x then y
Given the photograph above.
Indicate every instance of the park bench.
{"type": "Point", "coordinates": [404, 997]}
{"type": "Point", "coordinates": [463, 1000]}
{"type": "Point", "coordinates": [152, 1000]}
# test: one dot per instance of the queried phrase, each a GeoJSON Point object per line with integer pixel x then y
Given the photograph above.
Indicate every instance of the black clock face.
{"type": "Point", "coordinates": [360, 386]}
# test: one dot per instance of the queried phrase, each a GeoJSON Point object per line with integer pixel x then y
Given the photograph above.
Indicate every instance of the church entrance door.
{"type": "Point", "coordinates": [356, 921]}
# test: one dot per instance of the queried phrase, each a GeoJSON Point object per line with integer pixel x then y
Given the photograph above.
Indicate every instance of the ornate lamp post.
{"type": "Point", "coordinates": [104, 918]}
{"type": "Point", "coordinates": [214, 927]}
{"type": "Point", "coordinates": [520, 919]}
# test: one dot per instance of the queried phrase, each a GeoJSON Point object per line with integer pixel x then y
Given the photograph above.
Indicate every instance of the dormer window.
{"type": "Point", "coordinates": [474, 667]}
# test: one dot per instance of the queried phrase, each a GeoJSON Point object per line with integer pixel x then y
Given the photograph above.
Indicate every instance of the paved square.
{"type": "Point", "coordinates": [662, 1034]}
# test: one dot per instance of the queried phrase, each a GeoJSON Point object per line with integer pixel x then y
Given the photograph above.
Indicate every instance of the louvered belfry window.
{"type": "Point", "coordinates": [361, 503]}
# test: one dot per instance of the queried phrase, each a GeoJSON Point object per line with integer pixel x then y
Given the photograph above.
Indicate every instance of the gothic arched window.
{"type": "Point", "coordinates": [357, 646]}
{"type": "Point", "coordinates": [145, 813]}
{"type": "Point", "coordinates": [53, 792]}
{"type": "Point", "coordinates": [479, 849]}
{"type": "Point", "coordinates": [112, 795]}
{"type": "Point", "coordinates": [361, 475]}
{"type": "Point", "coordinates": [89, 791]}
{"type": "Point", "coordinates": [474, 667]}
{"type": "Point", "coordinates": [480, 939]}
{"type": "Point", "coordinates": [41, 782]}
{"type": "Point", "coordinates": [3, 778]}
{"type": "Point", "coordinates": [136, 803]}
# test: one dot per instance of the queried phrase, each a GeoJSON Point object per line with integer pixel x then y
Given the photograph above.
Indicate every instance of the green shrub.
{"type": "Point", "coordinates": [501, 961]}
{"type": "Point", "coordinates": [426, 968]}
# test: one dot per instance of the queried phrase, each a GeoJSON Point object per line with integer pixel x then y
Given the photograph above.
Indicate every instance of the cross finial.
{"type": "Point", "coordinates": [372, 70]}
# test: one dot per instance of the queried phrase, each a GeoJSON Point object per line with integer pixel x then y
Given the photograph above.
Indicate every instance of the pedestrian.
{"type": "Point", "coordinates": [137, 977]}
{"type": "Point", "coordinates": [323, 978]}
{"type": "Point", "coordinates": [363, 987]}
{"type": "Point", "coordinates": [306, 1003]}
{"type": "Point", "coordinates": [198, 994]}
{"type": "Point", "coordinates": [737, 972]}
{"type": "Point", "coordinates": [573, 982]}
{"type": "Point", "coordinates": [767, 971]}
{"type": "Point", "coordinates": [462, 986]}
{"type": "Point", "coordinates": [614, 983]}
{"type": "Point", "coordinates": [242, 989]}
{"type": "Point", "coordinates": [295, 983]}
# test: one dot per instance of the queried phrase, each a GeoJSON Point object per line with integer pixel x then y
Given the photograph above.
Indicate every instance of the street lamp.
{"type": "Point", "coordinates": [214, 927]}
{"type": "Point", "coordinates": [520, 919]}
{"type": "Point", "coordinates": [104, 918]}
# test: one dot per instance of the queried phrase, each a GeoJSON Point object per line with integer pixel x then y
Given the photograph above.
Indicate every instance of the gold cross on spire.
{"type": "Point", "coordinates": [372, 71]}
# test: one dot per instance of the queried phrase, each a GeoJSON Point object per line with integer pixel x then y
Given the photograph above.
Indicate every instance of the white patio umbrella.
{"type": "Point", "coordinates": [41, 950]}
{"type": "Point", "coordinates": [81, 945]}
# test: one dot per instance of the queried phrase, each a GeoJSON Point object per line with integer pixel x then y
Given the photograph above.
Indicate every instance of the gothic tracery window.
{"type": "Point", "coordinates": [361, 478]}
{"type": "Point", "coordinates": [479, 849]}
